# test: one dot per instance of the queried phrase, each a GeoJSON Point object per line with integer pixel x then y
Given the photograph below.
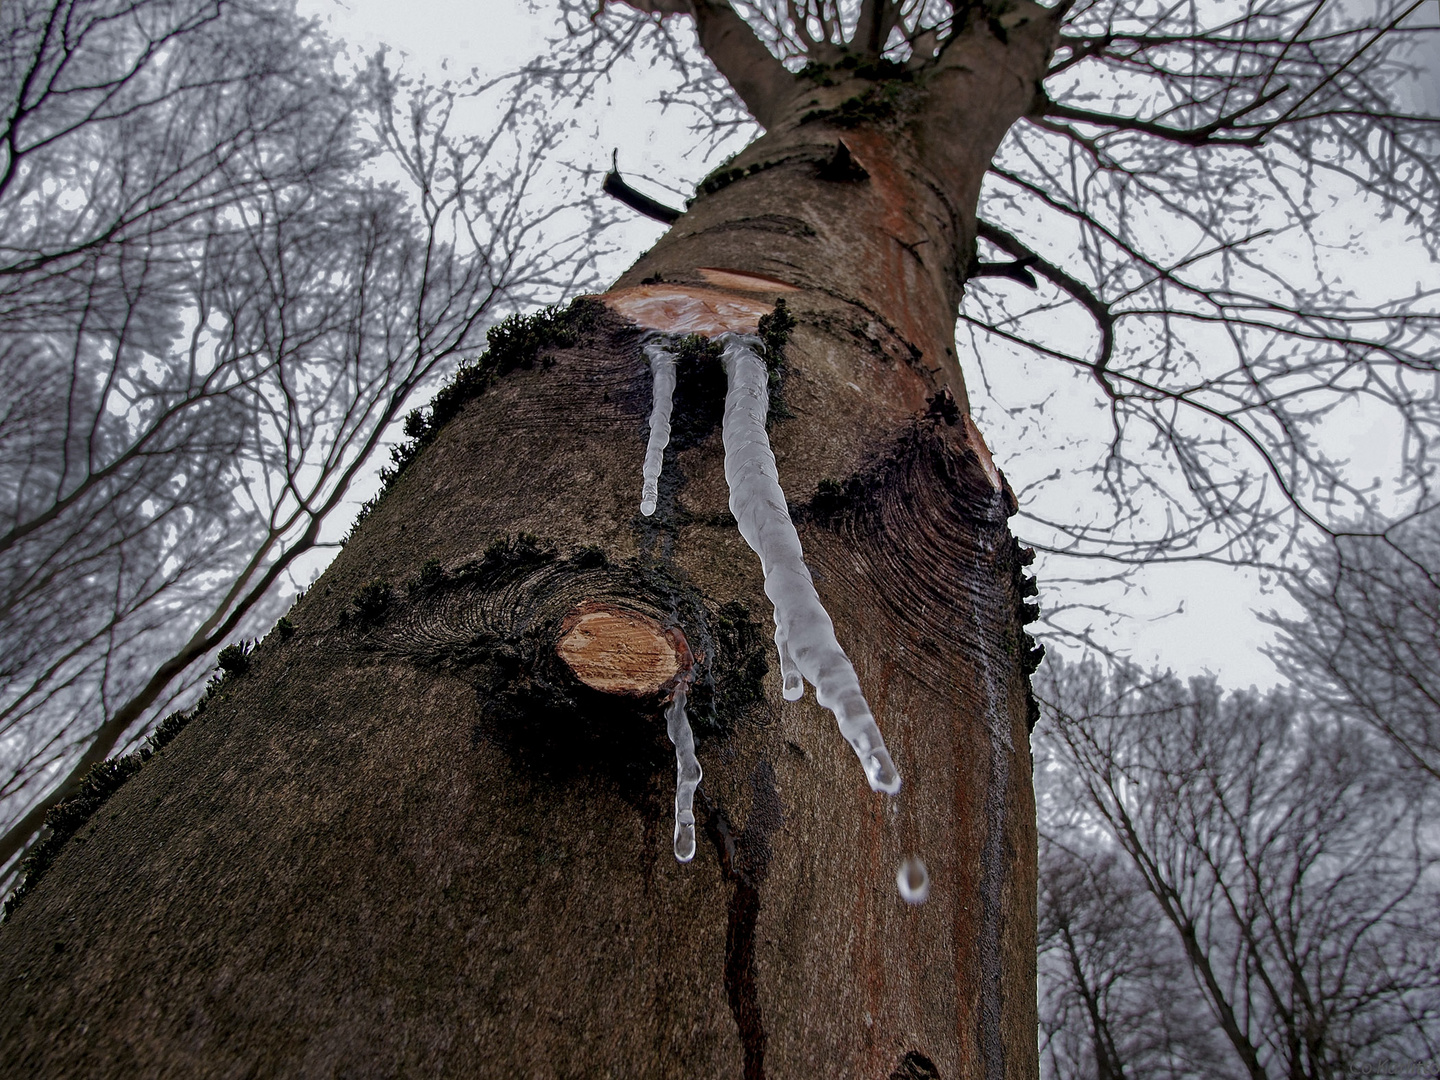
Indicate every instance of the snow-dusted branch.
{"type": "Point", "coordinates": [1231, 884]}
{"type": "Point", "coordinates": [209, 318]}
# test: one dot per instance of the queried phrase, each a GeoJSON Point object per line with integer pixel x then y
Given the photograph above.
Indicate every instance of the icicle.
{"type": "Point", "coordinates": [913, 881]}
{"type": "Point", "coordinates": [687, 775]}
{"type": "Point", "coordinates": [792, 686]}
{"type": "Point", "coordinates": [662, 369]}
{"type": "Point", "coordinates": [804, 634]}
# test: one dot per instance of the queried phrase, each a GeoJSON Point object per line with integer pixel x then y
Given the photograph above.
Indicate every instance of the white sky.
{"type": "Point", "coordinates": [1190, 618]}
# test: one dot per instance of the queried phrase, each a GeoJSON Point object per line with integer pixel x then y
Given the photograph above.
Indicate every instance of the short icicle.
{"type": "Point", "coordinates": [687, 775]}
{"type": "Point", "coordinates": [662, 369]}
{"type": "Point", "coordinates": [804, 633]}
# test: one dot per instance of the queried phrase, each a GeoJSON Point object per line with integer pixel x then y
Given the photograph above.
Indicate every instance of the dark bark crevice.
{"type": "Point", "coordinates": [745, 862]}
{"type": "Point", "coordinates": [915, 1066]}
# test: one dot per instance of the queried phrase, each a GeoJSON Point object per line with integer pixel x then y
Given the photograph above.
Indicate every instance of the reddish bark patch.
{"type": "Point", "coordinates": [908, 276]}
{"type": "Point", "coordinates": [744, 281]}
{"type": "Point", "coordinates": [619, 651]}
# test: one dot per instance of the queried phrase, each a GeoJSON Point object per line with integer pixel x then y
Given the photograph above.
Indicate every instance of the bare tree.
{"type": "Point", "coordinates": [1165, 241]}
{"type": "Point", "coordinates": [423, 842]}
{"type": "Point", "coordinates": [1367, 645]}
{"type": "Point", "coordinates": [1116, 996]}
{"type": "Point", "coordinates": [1221, 333]}
{"type": "Point", "coordinates": [209, 317]}
{"type": "Point", "coordinates": [1288, 881]}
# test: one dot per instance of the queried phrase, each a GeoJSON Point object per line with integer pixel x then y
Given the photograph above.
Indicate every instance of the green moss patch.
{"type": "Point", "coordinates": [515, 343]}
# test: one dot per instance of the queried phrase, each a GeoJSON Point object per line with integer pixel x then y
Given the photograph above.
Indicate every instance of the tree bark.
{"type": "Point", "coordinates": [420, 840]}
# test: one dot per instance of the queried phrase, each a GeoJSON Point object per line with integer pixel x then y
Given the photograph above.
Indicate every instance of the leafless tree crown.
{"type": "Point", "coordinates": [1185, 250]}
{"type": "Point", "coordinates": [1367, 645]}
{"type": "Point", "coordinates": [1232, 886]}
{"type": "Point", "coordinates": [209, 316]}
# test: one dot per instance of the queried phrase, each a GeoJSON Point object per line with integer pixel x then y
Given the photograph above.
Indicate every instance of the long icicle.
{"type": "Point", "coordinates": [804, 634]}
{"type": "Point", "coordinates": [662, 369]}
{"type": "Point", "coordinates": [687, 775]}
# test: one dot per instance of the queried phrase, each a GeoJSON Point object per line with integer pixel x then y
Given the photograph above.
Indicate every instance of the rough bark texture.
{"type": "Point", "coordinates": [412, 843]}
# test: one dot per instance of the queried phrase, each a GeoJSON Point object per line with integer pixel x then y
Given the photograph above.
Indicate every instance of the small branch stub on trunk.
{"type": "Point", "coordinates": [616, 650]}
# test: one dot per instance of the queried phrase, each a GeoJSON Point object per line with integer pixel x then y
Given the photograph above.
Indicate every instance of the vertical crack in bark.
{"type": "Point", "coordinates": [992, 863]}
{"type": "Point", "coordinates": [740, 976]}
{"type": "Point", "coordinates": [744, 912]}
{"type": "Point", "coordinates": [992, 881]}
{"type": "Point", "coordinates": [745, 860]}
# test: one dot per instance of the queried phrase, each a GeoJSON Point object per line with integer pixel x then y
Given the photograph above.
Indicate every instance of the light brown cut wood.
{"type": "Point", "coordinates": [687, 309]}
{"type": "Point", "coordinates": [618, 651]}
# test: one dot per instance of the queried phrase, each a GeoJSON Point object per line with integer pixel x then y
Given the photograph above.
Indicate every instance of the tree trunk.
{"type": "Point", "coordinates": [416, 839]}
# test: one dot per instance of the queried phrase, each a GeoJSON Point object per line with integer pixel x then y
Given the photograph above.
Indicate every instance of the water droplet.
{"type": "Point", "coordinates": [913, 880]}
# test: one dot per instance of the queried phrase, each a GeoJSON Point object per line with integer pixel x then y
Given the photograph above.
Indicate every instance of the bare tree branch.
{"type": "Point", "coordinates": [209, 319]}
{"type": "Point", "coordinates": [747, 65]}
{"type": "Point", "coordinates": [1283, 854]}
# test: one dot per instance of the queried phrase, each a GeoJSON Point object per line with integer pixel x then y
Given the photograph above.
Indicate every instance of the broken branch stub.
{"type": "Point", "coordinates": [616, 650]}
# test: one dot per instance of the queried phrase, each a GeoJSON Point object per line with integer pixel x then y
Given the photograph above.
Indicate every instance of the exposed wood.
{"type": "Point", "coordinates": [987, 462]}
{"type": "Point", "coordinates": [687, 309]}
{"type": "Point", "coordinates": [619, 651]}
{"type": "Point", "coordinates": [742, 281]}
